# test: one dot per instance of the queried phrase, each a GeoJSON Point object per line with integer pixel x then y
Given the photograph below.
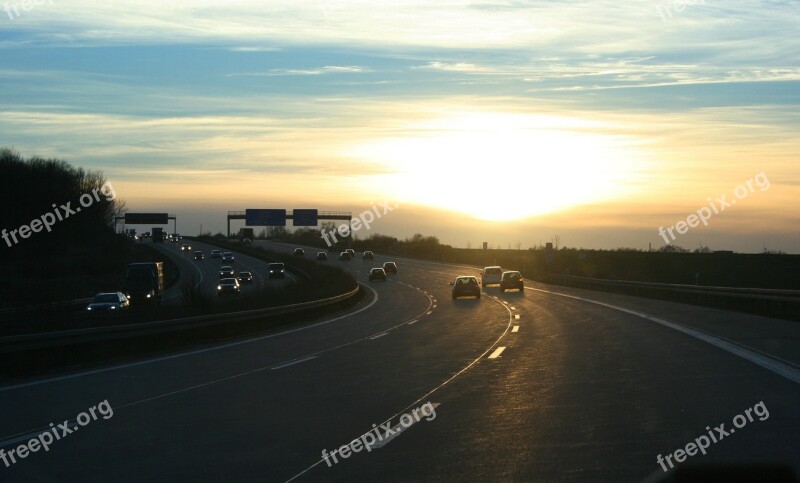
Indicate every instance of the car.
{"type": "Point", "coordinates": [174, 239]}
{"type": "Point", "coordinates": [390, 267]}
{"type": "Point", "coordinates": [186, 248]}
{"type": "Point", "coordinates": [491, 275]}
{"type": "Point", "coordinates": [322, 257]}
{"type": "Point", "coordinates": [368, 255]}
{"type": "Point", "coordinates": [245, 277]}
{"type": "Point", "coordinates": [198, 255]}
{"type": "Point", "coordinates": [108, 302]}
{"type": "Point", "coordinates": [228, 286]}
{"type": "Point", "coordinates": [216, 254]}
{"type": "Point", "coordinates": [225, 271]}
{"type": "Point", "coordinates": [351, 252]}
{"type": "Point", "coordinates": [247, 241]}
{"type": "Point", "coordinates": [146, 234]}
{"type": "Point", "coordinates": [377, 274]}
{"type": "Point", "coordinates": [276, 270]}
{"type": "Point", "coordinates": [466, 286]}
{"type": "Point", "coordinates": [299, 252]}
{"type": "Point", "coordinates": [511, 280]}
{"type": "Point", "coordinates": [345, 256]}
{"type": "Point", "coordinates": [228, 257]}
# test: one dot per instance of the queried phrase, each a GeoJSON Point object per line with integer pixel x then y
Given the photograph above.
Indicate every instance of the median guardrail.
{"type": "Point", "coordinates": [21, 343]}
{"type": "Point", "coordinates": [779, 303]}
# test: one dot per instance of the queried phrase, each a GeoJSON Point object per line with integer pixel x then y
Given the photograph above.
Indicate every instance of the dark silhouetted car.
{"type": "Point", "coordinates": [377, 274]}
{"type": "Point", "coordinates": [345, 256]}
{"type": "Point", "coordinates": [322, 257]}
{"type": "Point", "coordinates": [198, 255]}
{"type": "Point", "coordinates": [511, 280]}
{"type": "Point", "coordinates": [368, 255]}
{"type": "Point", "coordinates": [228, 257]}
{"type": "Point", "coordinates": [225, 271]}
{"type": "Point", "coordinates": [276, 270]}
{"type": "Point", "coordinates": [466, 286]}
{"type": "Point", "coordinates": [299, 252]}
{"type": "Point", "coordinates": [228, 286]}
{"type": "Point", "coordinates": [216, 254]}
{"type": "Point", "coordinates": [109, 302]}
{"type": "Point", "coordinates": [245, 277]}
{"type": "Point", "coordinates": [390, 267]}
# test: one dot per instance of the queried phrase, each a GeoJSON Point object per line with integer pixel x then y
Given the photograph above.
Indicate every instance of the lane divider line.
{"type": "Point", "coordinates": [497, 352]}
{"type": "Point", "coordinates": [291, 363]}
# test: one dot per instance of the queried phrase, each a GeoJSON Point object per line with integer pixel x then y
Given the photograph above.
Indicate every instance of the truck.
{"type": "Point", "coordinates": [246, 234]}
{"type": "Point", "coordinates": [144, 282]}
{"type": "Point", "coordinates": [158, 235]}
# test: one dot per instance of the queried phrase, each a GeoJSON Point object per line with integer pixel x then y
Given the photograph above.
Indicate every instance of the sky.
{"type": "Point", "coordinates": [502, 122]}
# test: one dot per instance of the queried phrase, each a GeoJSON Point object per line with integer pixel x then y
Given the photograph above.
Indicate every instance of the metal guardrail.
{"type": "Point", "coordinates": [770, 302]}
{"type": "Point", "coordinates": [21, 343]}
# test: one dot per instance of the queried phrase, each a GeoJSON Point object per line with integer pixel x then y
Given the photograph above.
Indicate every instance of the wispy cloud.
{"type": "Point", "coordinates": [328, 69]}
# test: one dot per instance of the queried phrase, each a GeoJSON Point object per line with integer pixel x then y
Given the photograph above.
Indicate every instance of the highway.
{"type": "Point", "coordinates": [204, 274]}
{"type": "Point", "coordinates": [545, 385]}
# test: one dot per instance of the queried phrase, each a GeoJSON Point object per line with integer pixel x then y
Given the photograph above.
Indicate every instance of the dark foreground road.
{"type": "Point", "coordinates": [523, 387]}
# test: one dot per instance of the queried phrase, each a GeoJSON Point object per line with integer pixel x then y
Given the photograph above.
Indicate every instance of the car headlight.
{"type": "Point", "coordinates": [149, 295]}
{"type": "Point", "coordinates": [113, 307]}
{"type": "Point", "coordinates": [88, 308]}
{"type": "Point", "coordinates": [219, 287]}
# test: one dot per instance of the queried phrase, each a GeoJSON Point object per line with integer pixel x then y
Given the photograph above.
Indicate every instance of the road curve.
{"type": "Point", "coordinates": [527, 386]}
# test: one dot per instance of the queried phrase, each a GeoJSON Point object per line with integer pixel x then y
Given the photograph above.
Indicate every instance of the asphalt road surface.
{"type": "Point", "coordinates": [545, 385]}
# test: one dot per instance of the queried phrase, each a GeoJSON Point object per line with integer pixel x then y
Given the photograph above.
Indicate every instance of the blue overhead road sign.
{"type": "Point", "coordinates": [305, 217]}
{"type": "Point", "coordinates": [265, 217]}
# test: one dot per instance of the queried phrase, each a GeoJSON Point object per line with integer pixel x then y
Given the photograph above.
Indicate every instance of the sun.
{"type": "Point", "coordinates": [502, 167]}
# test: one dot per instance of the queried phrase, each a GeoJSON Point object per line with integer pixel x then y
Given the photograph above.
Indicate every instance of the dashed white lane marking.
{"type": "Point", "coordinates": [513, 308]}
{"type": "Point", "coordinates": [434, 306]}
{"type": "Point", "coordinates": [299, 361]}
{"type": "Point", "coordinates": [516, 316]}
{"type": "Point", "coordinates": [515, 329]}
{"type": "Point", "coordinates": [397, 429]}
{"type": "Point", "coordinates": [378, 336]}
{"type": "Point", "coordinates": [413, 322]}
{"type": "Point", "coordinates": [497, 353]}
{"type": "Point", "coordinates": [429, 312]}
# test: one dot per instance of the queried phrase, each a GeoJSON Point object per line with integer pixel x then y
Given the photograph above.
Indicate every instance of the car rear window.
{"type": "Point", "coordinates": [494, 271]}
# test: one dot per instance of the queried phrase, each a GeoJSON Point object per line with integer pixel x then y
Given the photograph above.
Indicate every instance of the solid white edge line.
{"type": "Point", "coordinates": [378, 336]}
{"type": "Point", "coordinates": [397, 428]}
{"type": "Point", "coordinates": [765, 361]}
